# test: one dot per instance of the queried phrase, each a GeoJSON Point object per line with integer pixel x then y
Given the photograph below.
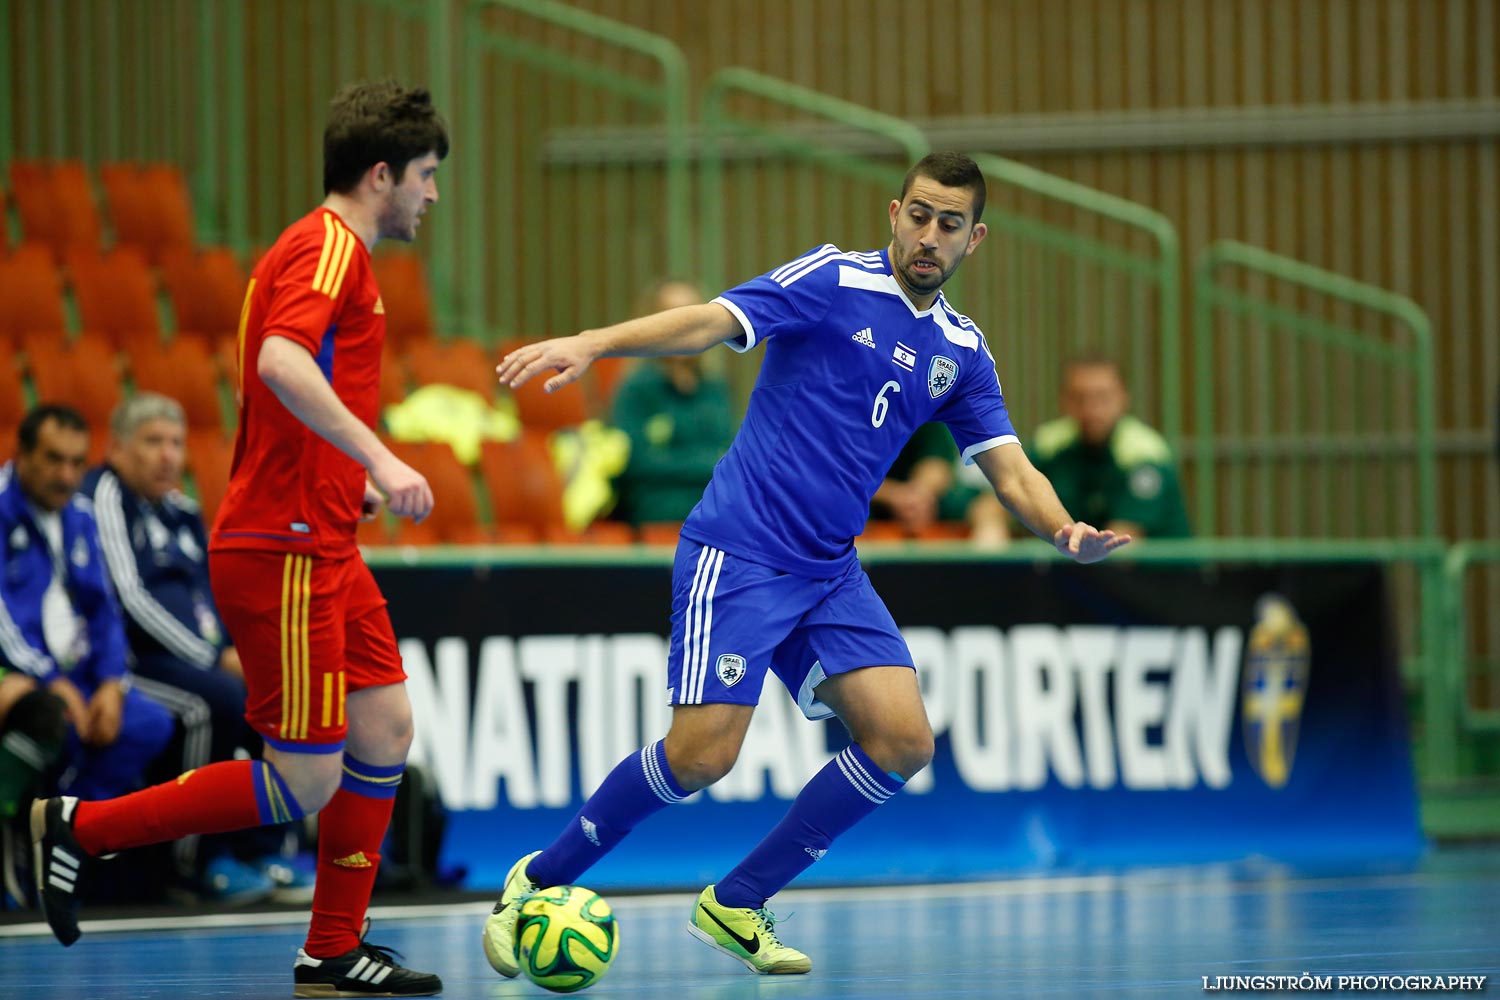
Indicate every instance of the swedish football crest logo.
{"type": "Point", "coordinates": [730, 669]}
{"type": "Point", "coordinates": [1273, 689]}
{"type": "Point", "coordinates": [941, 375]}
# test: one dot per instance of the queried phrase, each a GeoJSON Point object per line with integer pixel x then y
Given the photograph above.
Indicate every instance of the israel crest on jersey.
{"type": "Point", "coordinates": [941, 375]}
{"type": "Point", "coordinates": [731, 668]}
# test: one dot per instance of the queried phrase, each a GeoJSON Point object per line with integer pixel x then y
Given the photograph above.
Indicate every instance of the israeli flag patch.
{"type": "Point", "coordinates": [941, 375]}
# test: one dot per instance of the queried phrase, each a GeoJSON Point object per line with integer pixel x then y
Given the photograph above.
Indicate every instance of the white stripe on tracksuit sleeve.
{"type": "Point", "coordinates": [179, 640]}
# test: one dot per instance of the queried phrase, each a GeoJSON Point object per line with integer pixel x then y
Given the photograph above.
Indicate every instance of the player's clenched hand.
{"type": "Point", "coordinates": [106, 709]}
{"type": "Point", "coordinates": [1085, 543]}
{"type": "Point", "coordinates": [369, 509]}
{"type": "Point", "coordinates": [570, 357]}
{"type": "Point", "coordinates": [74, 707]}
{"type": "Point", "coordinates": [406, 491]}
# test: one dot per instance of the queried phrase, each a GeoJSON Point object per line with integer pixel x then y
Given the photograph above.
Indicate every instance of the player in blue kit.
{"type": "Point", "coordinates": [861, 349]}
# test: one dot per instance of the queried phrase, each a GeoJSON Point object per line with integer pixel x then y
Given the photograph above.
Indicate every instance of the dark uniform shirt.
{"type": "Point", "coordinates": [1133, 477]}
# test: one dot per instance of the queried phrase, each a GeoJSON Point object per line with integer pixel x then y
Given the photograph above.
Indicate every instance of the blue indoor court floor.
{"type": "Point", "coordinates": [1144, 933]}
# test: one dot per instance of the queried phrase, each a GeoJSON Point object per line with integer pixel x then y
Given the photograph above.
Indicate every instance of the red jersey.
{"type": "Point", "coordinates": [290, 490]}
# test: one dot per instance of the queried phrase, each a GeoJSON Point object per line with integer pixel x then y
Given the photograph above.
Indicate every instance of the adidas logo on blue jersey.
{"type": "Point", "coordinates": [817, 855]}
{"type": "Point", "coordinates": [590, 830]}
{"type": "Point", "coordinates": [864, 337]}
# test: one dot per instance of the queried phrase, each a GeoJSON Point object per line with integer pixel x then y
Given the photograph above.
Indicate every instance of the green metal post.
{"type": "Point", "coordinates": [714, 113]}
{"type": "Point", "coordinates": [207, 179]}
{"type": "Point", "coordinates": [7, 97]}
{"type": "Point", "coordinates": [236, 112]}
{"type": "Point", "coordinates": [1165, 269]}
{"type": "Point", "coordinates": [671, 94]}
{"type": "Point", "coordinates": [1417, 356]}
{"type": "Point", "coordinates": [440, 83]}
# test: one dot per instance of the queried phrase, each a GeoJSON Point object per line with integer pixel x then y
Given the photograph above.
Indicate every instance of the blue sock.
{"type": "Point", "coordinates": [846, 791]}
{"type": "Point", "coordinates": [640, 785]}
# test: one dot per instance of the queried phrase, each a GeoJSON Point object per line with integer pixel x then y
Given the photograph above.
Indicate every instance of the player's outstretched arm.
{"type": "Point", "coordinates": [1028, 495]}
{"type": "Point", "coordinates": [290, 372]}
{"type": "Point", "coordinates": [684, 330]}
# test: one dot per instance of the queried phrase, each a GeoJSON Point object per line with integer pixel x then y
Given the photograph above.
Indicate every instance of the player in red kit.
{"type": "Point", "coordinates": [326, 688]}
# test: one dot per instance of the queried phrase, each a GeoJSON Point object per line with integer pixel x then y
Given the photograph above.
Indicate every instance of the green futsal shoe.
{"type": "Point", "coordinates": [747, 935]}
{"type": "Point", "coordinates": [500, 926]}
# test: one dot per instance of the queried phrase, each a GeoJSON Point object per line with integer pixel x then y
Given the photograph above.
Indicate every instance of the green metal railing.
{"type": "Point", "coordinates": [531, 281]}
{"type": "Point", "coordinates": [1043, 287]}
{"type": "Point", "coordinates": [1271, 353]}
{"type": "Point", "coordinates": [1471, 666]}
{"type": "Point", "coordinates": [1052, 290]}
{"type": "Point", "coordinates": [812, 189]}
{"type": "Point", "coordinates": [111, 80]}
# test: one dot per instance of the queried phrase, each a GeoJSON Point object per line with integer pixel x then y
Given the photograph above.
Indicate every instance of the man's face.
{"type": "Point", "coordinates": [1094, 396]}
{"type": "Point", "coordinates": [932, 231]}
{"type": "Point", "coordinates": [150, 461]}
{"type": "Point", "coordinates": [50, 473]}
{"type": "Point", "coordinates": [407, 199]}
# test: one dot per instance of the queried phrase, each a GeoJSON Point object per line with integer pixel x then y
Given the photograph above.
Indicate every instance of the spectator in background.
{"type": "Point", "coordinates": [926, 484]}
{"type": "Point", "coordinates": [156, 550]}
{"type": "Point", "coordinates": [1108, 467]}
{"type": "Point", "coordinates": [678, 418]}
{"type": "Point", "coordinates": [59, 619]}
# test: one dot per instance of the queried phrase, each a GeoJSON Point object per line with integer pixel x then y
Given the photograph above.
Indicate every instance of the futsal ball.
{"type": "Point", "coordinates": [566, 937]}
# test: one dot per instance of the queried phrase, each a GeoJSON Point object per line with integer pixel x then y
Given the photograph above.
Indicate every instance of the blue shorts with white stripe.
{"type": "Point", "coordinates": [732, 619]}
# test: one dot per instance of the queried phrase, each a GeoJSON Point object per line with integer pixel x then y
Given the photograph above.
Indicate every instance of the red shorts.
{"type": "Point", "coordinates": [309, 631]}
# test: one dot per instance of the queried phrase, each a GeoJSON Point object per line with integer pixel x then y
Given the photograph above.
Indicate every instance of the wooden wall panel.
{"type": "Point", "coordinates": [1417, 217]}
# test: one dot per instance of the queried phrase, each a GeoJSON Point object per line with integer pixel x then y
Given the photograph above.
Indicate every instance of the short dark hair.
{"type": "Point", "coordinates": [378, 122]}
{"type": "Point", "coordinates": [31, 424]}
{"type": "Point", "coordinates": [1093, 358]}
{"type": "Point", "coordinates": [950, 169]}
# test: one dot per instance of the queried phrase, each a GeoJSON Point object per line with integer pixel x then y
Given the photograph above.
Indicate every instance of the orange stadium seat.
{"type": "Point", "coordinates": [944, 531]}
{"type": "Point", "coordinates": [455, 511]}
{"type": "Point", "coordinates": [171, 210]}
{"type": "Point", "coordinates": [602, 381]}
{"type": "Point", "coordinates": [392, 377]}
{"type": "Point", "coordinates": [12, 396]}
{"type": "Point", "coordinates": [598, 533]}
{"type": "Point", "coordinates": [116, 293]}
{"type": "Point", "coordinates": [402, 279]}
{"type": "Point", "coordinates": [31, 295]}
{"type": "Point", "coordinates": [661, 533]}
{"type": "Point", "coordinates": [207, 291]}
{"type": "Point", "coordinates": [881, 531]}
{"type": "Point", "coordinates": [226, 352]}
{"type": "Point", "coordinates": [56, 204]}
{"type": "Point", "coordinates": [524, 489]}
{"type": "Point", "coordinates": [209, 455]}
{"type": "Point", "coordinates": [150, 208]}
{"type": "Point", "coordinates": [183, 370]}
{"type": "Point", "coordinates": [375, 532]}
{"type": "Point", "coordinates": [129, 212]}
{"type": "Point", "coordinates": [4, 226]}
{"type": "Point", "coordinates": [541, 410]}
{"type": "Point", "coordinates": [455, 362]}
{"type": "Point", "coordinates": [82, 373]}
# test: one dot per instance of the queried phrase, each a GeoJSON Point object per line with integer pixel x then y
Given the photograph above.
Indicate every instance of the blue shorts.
{"type": "Point", "coordinates": [732, 619]}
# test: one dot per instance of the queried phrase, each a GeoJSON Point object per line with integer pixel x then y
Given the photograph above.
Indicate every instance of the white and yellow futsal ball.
{"type": "Point", "coordinates": [566, 936]}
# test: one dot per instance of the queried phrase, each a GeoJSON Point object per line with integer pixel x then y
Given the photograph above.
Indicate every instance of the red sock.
{"type": "Point", "coordinates": [350, 830]}
{"type": "Point", "coordinates": [213, 799]}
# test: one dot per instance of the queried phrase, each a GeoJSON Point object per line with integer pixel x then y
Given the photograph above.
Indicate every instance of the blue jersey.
{"type": "Point", "coordinates": [851, 370]}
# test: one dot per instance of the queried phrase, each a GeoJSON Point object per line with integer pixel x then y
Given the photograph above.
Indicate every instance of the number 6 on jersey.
{"type": "Point", "coordinates": [882, 405]}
